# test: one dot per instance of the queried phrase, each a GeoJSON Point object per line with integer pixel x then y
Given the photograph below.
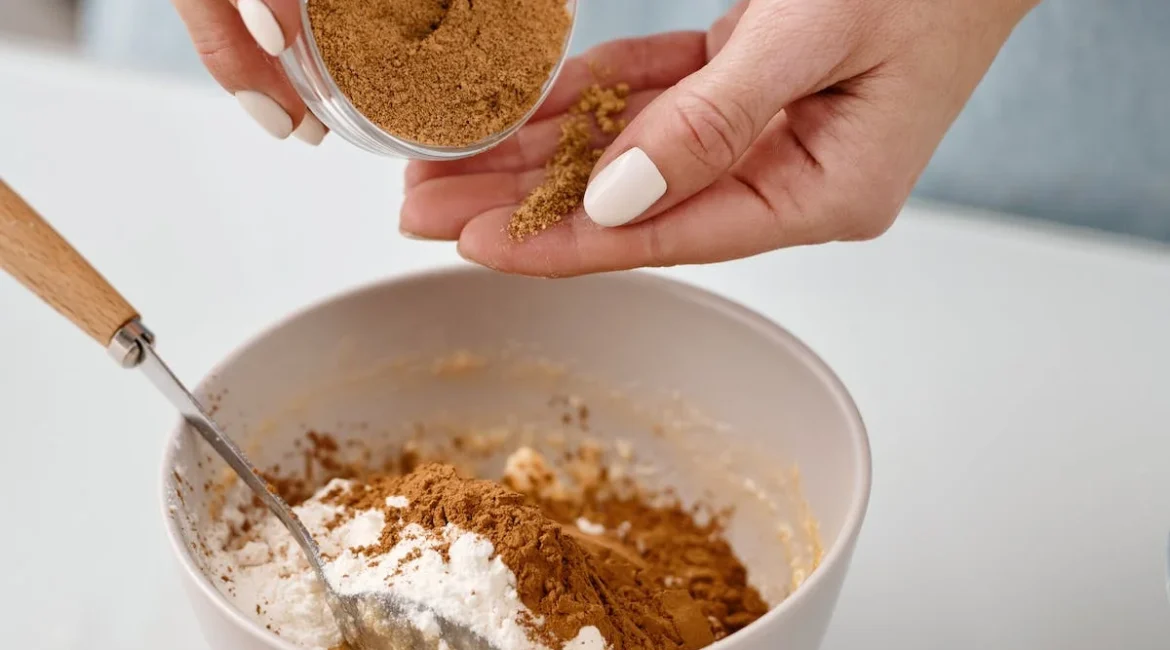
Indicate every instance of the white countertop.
{"type": "Point", "coordinates": [1016, 380]}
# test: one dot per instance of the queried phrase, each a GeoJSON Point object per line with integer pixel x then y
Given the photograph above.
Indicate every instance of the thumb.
{"type": "Point", "coordinates": [694, 132]}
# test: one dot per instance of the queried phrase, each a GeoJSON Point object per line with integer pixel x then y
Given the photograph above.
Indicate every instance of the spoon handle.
{"type": "Point", "coordinates": [40, 259]}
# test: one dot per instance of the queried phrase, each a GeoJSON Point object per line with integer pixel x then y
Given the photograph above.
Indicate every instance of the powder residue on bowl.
{"type": "Point", "coordinates": [441, 72]}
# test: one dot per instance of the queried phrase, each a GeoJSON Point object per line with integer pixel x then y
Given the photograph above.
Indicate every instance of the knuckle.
{"type": "Point", "coordinates": [655, 251]}
{"type": "Point", "coordinates": [865, 203]}
{"type": "Point", "coordinates": [224, 58]}
{"type": "Point", "coordinates": [870, 223]}
{"type": "Point", "coordinates": [714, 132]}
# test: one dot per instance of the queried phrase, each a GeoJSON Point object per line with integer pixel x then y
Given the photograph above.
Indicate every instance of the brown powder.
{"type": "Point", "coordinates": [565, 580]}
{"type": "Point", "coordinates": [319, 457]}
{"type": "Point", "coordinates": [688, 555]}
{"type": "Point", "coordinates": [655, 578]}
{"type": "Point", "coordinates": [441, 72]}
{"type": "Point", "coordinates": [656, 528]}
{"type": "Point", "coordinates": [567, 172]}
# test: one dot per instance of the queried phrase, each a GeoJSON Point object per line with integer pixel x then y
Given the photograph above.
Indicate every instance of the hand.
{"type": "Point", "coordinates": [238, 41]}
{"type": "Point", "coordinates": [790, 122]}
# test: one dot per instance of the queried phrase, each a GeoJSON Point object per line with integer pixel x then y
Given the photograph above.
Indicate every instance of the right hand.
{"type": "Point", "coordinates": [790, 123]}
{"type": "Point", "coordinates": [238, 41]}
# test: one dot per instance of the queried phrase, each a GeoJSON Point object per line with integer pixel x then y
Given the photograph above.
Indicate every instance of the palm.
{"type": "Point", "coordinates": [472, 200]}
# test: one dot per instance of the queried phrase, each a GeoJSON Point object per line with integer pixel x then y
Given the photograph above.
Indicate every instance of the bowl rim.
{"type": "Point", "coordinates": [837, 553]}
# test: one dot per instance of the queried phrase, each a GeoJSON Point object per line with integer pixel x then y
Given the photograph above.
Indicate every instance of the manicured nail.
{"type": "Point", "coordinates": [267, 112]}
{"type": "Point", "coordinates": [410, 235]}
{"type": "Point", "coordinates": [310, 130]}
{"type": "Point", "coordinates": [626, 188]}
{"type": "Point", "coordinates": [262, 25]}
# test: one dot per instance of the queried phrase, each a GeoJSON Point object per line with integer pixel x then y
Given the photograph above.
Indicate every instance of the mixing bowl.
{"type": "Point", "coordinates": [712, 398]}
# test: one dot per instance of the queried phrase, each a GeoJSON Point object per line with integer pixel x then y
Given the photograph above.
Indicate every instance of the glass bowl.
{"type": "Point", "coordinates": [310, 77]}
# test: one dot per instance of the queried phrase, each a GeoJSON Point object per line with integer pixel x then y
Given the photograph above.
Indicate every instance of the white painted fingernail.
{"type": "Point", "coordinates": [409, 235]}
{"type": "Point", "coordinates": [626, 188]}
{"type": "Point", "coordinates": [310, 130]}
{"type": "Point", "coordinates": [267, 112]}
{"type": "Point", "coordinates": [262, 25]}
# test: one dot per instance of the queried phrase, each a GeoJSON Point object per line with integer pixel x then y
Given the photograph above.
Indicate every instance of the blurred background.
{"type": "Point", "coordinates": [1069, 126]}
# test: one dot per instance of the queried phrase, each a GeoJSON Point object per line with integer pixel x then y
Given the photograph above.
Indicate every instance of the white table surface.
{"type": "Point", "coordinates": [1016, 380]}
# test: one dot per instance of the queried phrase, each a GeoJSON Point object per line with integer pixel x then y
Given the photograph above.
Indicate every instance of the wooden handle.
{"type": "Point", "coordinates": [40, 259]}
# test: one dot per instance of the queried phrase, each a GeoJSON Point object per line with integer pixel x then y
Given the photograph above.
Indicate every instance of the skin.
{"type": "Point", "coordinates": [789, 122]}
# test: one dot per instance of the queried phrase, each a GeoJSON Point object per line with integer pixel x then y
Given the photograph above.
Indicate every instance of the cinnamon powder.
{"type": "Point", "coordinates": [647, 572]}
{"type": "Point", "coordinates": [441, 72]}
{"type": "Point", "coordinates": [641, 595]}
{"type": "Point", "coordinates": [656, 528]}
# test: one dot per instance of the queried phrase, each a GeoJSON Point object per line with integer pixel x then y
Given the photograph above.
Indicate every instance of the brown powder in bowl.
{"type": "Point", "coordinates": [568, 581]}
{"type": "Point", "coordinates": [441, 72]}
{"type": "Point", "coordinates": [654, 528]}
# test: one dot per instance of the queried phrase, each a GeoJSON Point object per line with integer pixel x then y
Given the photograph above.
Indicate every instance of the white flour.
{"type": "Point", "coordinates": [271, 581]}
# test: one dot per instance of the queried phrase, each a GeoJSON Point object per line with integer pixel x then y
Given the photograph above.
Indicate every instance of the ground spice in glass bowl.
{"type": "Point", "coordinates": [428, 79]}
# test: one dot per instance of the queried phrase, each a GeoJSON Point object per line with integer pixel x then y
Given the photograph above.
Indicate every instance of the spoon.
{"type": "Point", "coordinates": [40, 259]}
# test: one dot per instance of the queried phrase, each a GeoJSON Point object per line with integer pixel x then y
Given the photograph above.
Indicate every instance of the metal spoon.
{"type": "Point", "coordinates": [40, 259]}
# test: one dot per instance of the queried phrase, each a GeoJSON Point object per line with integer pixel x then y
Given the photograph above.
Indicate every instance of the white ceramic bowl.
{"type": "Point", "coordinates": [743, 402]}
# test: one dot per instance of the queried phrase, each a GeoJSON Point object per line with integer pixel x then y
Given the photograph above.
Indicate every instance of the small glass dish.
{"type": "Point", "coordinates": [310, 77]}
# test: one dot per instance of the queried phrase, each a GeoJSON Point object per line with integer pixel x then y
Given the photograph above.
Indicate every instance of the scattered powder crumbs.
{"type": "Point", "coordinates": [567, 172]}
{"type": "Point", "coordinates": [604, 103]}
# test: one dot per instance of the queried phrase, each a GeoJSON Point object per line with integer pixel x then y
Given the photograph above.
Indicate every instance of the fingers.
{"type": "Point", "coordinates": [656, 61]}
{"type": "Point", "coordinates": [581, 246]}
{"type": "Point", "coordinates": [437, 207]}
{"type": "Point", "coordinates": [530, 148]}
{"type": "Point", "coordinates": [274, 24]}
{"type": "Point", "coordinates": [776, 195]}
{"type": "Point", "coordinates": [649, 63]}
{"type": "Point", "coordinates": [441, 207]}
{"type": "Point", "coordinates": [721, 30]}
{"type": "Point", "coordinates": [696, 131]}
{"type": "Point", "coordinates": [233, 42]}
{"type": "Point", "coordinates": [767, 202]}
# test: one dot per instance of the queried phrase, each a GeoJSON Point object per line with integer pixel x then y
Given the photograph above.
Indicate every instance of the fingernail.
{"type": "Point", "coordinates": [267, 112]}
{"type": "Point", "coordinates": [310, 130]}
{"type": "Point", "coordinates": [626, 188]}
{"type": "Point", "coordinates": [262, 25]}
{"type": "Point", "coordinates": [410, 235]}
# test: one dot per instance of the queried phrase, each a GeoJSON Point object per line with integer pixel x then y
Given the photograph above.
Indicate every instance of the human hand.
{"type": "Point", "coordinates": [238, 41]}
{"type": "Point", "coordinates": [790, 122]}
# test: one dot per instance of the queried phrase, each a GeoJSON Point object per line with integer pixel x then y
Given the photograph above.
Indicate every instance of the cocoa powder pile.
{"type": "Point", "coordinates": [632, 591]}
{"type": "Point", "coordinates": [655, 528]}
{"type": "Point", "coordinates": [440, 72]}
{"type": "Point", "coordinates": [567, 172]}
